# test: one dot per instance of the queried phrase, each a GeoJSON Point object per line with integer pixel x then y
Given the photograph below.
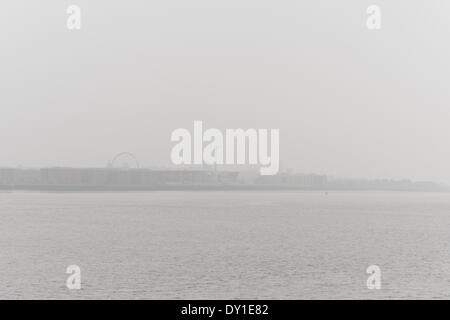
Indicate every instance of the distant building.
{"type": "Point", "coordinates": [19, 177]}
{"type": "Point", "coordinates": [298, 180]}
{"type": "Point", "coordinates": [6, 176]}
{"type": "Point", "coordinates": [131, 177]}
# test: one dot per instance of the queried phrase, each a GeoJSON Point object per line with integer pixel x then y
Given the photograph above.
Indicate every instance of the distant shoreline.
{"type": "Point", "coordinates": [242, 187]}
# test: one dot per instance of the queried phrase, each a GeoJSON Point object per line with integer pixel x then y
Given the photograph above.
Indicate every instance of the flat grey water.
{"type": "Point", "coordinates": [222, 245]}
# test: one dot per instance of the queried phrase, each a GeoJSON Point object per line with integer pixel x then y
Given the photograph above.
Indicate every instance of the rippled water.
{"type": "Point", "coordinates": [222, 245]}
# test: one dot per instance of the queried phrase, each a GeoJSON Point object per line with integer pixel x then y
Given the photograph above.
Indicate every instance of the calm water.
{"type": "Point", "coordinates": [221, 245]}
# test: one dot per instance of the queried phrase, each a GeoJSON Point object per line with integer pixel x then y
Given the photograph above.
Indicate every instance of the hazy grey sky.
{"type": "Point", "coordinates": [348, 101]}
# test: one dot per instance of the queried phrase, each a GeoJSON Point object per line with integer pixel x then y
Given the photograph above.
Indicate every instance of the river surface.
{"type": "Point", "coordinates": [224, 245]}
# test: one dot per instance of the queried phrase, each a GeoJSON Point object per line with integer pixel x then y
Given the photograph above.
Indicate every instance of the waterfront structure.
{"type": "Point", "coordinates": [112, 177]}
{"type": "Point", "coordinates": [18, 176]}
{"type": "Point", "coordinates": [297, 179]}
